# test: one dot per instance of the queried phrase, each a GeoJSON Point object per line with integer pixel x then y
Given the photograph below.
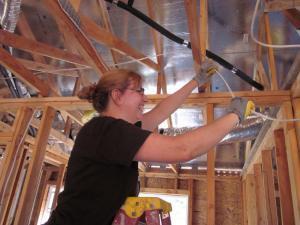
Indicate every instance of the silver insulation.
{"type": "Point", "coordinates": [248, 130]}
{"type": "Point", "coordinates": [9, 12]}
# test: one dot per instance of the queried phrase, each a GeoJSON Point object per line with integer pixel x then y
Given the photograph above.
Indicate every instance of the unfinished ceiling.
{"type": "Point", "coordinates": [124, 41]}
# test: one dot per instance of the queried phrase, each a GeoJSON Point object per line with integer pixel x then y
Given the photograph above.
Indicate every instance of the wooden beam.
{"type": "Point", "coordinates": [211, 189]}
{"type": "Point", "coordinates": [59, 183]}
{"type": "Point", "coordinates": [164, 191]}
{"type": "Point", "coordinates": [293, 157]}
{"type": "Point", "coordinates": [40, 196]}
{"type": "Point", "coordinates": [266, 98]}
{"type": "Point", "coordinates": [36, 47]}
{"type": "Point", "coordinates": [49, 69]}
{"type": "Point", "coordinates": [84, 46]}
{"type": "Point", "coordinates": [28, 194]}
{"type": "Point", "coordinates": [203, 29]}
{"type": "Point", "coordinates": [261, 210]}
{"type": "Point", "coordinates": [26, 31]}
{"type": "Point", "coordinates": [271, 56]}
{"type": "Point", "coordinates": [191, 200]}
{"type": "Point", "coordinates": [267, 167]}
{"type": "Point", "coordinates": [22, 73]}
{"type": "Point", "coordinates": [293, 15]}
{"type": "Point", "coordinates": [107, 25]}
{"type": "Point", "coordinates": [280, 5]}
{"type": "Point", "coordinates": [251, 203]}
{"type": "Point", "coordinates": [244, 198]}
{"type": "Point", "coordinates": [103, 36]}
{"type": "Point", "coordinates": [286, 203]}
{"type": "Point", "coordinates": [185, 176]}
{"type": "Point", "coordinates": [191, 13]}
{"type": "Point", "coordinates": [12, 158]}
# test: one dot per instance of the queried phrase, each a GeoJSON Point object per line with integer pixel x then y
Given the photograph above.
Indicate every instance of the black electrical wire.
{"type": "Point", "coordinates": [179, 40]}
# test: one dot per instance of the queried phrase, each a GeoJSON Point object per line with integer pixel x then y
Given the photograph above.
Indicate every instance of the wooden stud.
{"type": "Point", "coordinates": [287, 211]}
{"type": "Point", "coordinates": [59, 183]}
{"type": "Point", "coordinates": [191, 197]}
{"type": "Point", "coordinates": [262, 218]}
{"type": "Point", "coordinates": [250, 200]}
{"type": "Point", "coordinates": [203, 29]}
{"type": "Point", "coordinates": [293, 157]}
{"type": "Point", "coordinates": [191, 12]}
{"type": "Point", "coordinates": [18, 176]}
{"type": "Point", "coordinates": [28, 194]}
{"type": "Point", "coordinates": [40, 196]}
{"type": "Point", "coordinates": [12, 158]}
{"type": "Point", "coordinates": [267, 167]}
{"type": "Point", "coordinates": [271, 57]}
{"type": "Point", "coordinates": [245, 219]}
{"type": "Point", "coordinates": [211, 194]}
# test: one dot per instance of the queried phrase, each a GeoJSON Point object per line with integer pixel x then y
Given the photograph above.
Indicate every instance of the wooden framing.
{"type": "Point", "coordinates": [101, 35]}
{"type": "Point", "coordinates": [211, 155]}
{"type": "Point", "coordinates": [84, 46]}
{"type": "Point", "coordinates": [287, 211]}
{"type": "Point", "coordinates": [31, 181]}
{"type": "Point", "coordinates": [219, 99]}
{"type": "Point", "coordinates": [279, 5]}
{"type": "Point", "coordinates": [22, 73]}
{"type": "Point", "coordinates": [261, 202]}
{"type": "Point", "coordinates": [191, 196]}
{"type": "Point", "coordinates": [39, 48]}
{"type": "Point", "coordinates": [267, 169]}
{"type": "Point", "coordinates": [251, 200]}
{"type": "Point", "coordinates": [12, 158]}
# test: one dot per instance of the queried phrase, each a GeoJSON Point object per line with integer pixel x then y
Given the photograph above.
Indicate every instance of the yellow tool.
{"type": "Point", "coordinates": [249, 108]}
{"type": "Point", "coordinates": [135, 206]}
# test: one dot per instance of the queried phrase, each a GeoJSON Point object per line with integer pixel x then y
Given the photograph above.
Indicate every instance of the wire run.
{"type": "Point", "coordinates": [265, 117]}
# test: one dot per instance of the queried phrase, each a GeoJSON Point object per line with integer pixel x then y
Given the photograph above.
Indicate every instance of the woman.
{"type": "Point", "coordinates": [103, 166]}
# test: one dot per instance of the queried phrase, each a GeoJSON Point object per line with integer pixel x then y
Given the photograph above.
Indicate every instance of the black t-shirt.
{"type": "Point", "coordinates": [101, 172]}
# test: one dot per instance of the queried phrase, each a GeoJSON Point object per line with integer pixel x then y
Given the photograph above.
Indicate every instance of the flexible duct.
{"type": "Point", "coordinates": [248, 130]}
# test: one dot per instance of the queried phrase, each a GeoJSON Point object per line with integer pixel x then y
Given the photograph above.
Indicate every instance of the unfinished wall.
{"type": "Point", "coordinates": [228, 197]}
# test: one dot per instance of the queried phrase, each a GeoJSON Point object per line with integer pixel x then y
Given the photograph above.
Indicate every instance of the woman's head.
{"type": "Point", "coordinates": [98, 94]}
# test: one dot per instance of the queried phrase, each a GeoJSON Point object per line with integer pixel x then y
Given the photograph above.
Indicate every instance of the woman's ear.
{"type": "Point", "coordinates": [116, 96]}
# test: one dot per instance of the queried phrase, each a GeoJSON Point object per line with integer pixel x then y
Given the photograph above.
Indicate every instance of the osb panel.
{"type": "Point", "coordinates": [199, 202]}
{"type": "Point", "coordinates": [229, 202]}
{"type": "Point", "coordinates": [228, 199]}
{"type": "Point", "coordinates": [160, 183]}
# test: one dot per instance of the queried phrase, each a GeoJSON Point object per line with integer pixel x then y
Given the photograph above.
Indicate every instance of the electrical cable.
{"type": "Point", "coordinates": [186, 43]}
{"type": "Point", "coordinates": [261, 43]}
{"type": "Point", "coordinates": [254, 112]}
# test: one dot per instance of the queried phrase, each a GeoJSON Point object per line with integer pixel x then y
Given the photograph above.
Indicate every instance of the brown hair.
{"type": "Point", "coordinates": [98, 94]}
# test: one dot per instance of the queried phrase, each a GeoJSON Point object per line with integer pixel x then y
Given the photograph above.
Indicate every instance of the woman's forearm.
{"type": "Point", "coordinates": [201, 140]}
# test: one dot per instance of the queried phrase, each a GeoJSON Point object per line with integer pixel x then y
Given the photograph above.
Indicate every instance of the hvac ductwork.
{"type": "Point", "coordinates": [248, 130]}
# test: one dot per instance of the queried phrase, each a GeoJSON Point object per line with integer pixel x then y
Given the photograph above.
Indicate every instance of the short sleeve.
{"type": "Point", "coordinates": [120, 142]}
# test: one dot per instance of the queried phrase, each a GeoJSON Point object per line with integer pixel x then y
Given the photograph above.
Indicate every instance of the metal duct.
{"type": "Point", "coordinates": [9, 11]}
{"type": "Point", "coordinates": [248, 130]}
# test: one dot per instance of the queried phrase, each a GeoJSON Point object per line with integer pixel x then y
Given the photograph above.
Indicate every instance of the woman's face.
{"type": "Point", "coordinates": [133, 99]}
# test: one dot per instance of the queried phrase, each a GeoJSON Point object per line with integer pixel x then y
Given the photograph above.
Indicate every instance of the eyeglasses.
{"type": "Point", "coordinates": [140, 90]}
